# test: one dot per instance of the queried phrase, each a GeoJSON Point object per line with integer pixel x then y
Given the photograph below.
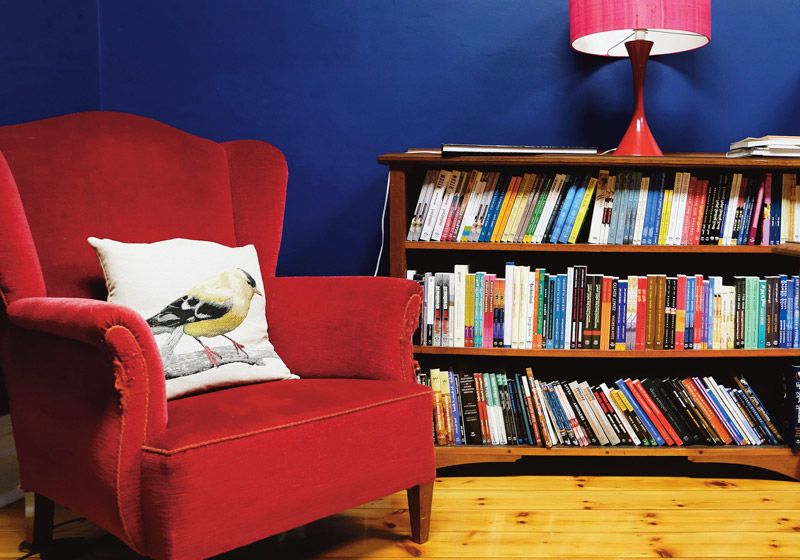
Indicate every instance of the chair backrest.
{"type": "Point", "coordinates": [131, 179]}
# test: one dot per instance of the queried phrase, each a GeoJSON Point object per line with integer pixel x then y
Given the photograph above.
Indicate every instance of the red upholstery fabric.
{"type": "Point", "coordinates": [137, 179]}
{"type": "Point", "coordinates": [263, 455]}
{"type": "Point", "coordinates": [203, 474]}
{"type": "Point", "coordinates": [258, 177]}
{"type": "Point", "coordinates": [344, 327]}
{"type": "Point", "coordinates": [20, 275]}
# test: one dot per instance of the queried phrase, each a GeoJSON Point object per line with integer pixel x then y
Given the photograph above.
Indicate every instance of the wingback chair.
{"type": "Point", "coordinates": [197, 476]}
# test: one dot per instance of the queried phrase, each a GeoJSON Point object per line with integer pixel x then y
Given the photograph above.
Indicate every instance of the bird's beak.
{"type": "Point", "coordinates": [259, 293]}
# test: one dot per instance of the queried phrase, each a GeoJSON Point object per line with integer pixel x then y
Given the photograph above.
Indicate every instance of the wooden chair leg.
{"type": "Point", "coordinates": [39, 530]}
{"type": "Point", "coordinates": [420, 500]}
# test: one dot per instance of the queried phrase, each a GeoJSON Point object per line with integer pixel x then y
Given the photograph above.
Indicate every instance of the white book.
{"type": "Point", "coordinates": [433, 208]}
{"type": "Point", "coordinates": [767, 141]}
{"type": "Point", "coordinates": [508, 304]}
{"type": "Point", "coordinates": [447, 204]}
{"type": "Point", "coordinates": [588, 412]}
{"type": "Point", "coordinates": [729, 307]}
{"type": "Point", "coordinates": [421, 207]}
{"type": "Point", "coordinates": [581, 436]}
{"type": "Point", "coordinates": [732, 411]}
{"type": "Point", "coordinates": [552, 198]}
{"type": "Point", "coordinates": [531, 296]}
{"type": "Point", "coordinates": [676, 208]}
{"type": "Point", "coordinates": [568, 311]}
{"type": "Point", "coordinates": [742, 423]}
{"type": "Point", "coordinates": [480, 216]}
{"type": "Point", "coordinates": [680, 217]}
{"type": "Point", "coordinates": [451, 303]}
{"type": "Point", "coordinates": [472, 204]}
{"type": "Point", "coordinates": [685, 206]}
{"type": "Point", "coordinates": [640, 211]}
{"type": "Point", "coordinates": [428, 187]}
{"type": "Point", "coordinates": [630, 313]}
{"type": "Point", "coordinates": [515, 307]}
{"type": "Point", "coordinates": [522, 321]}
{"type": "Point", "coordinates": [605, 423]}
{"type": "Point", "coordinates": [460, 272]}
{"type": "Point", "coordinates": [622, 418]}
{"type": "Point", "coordinates": [596, 227]}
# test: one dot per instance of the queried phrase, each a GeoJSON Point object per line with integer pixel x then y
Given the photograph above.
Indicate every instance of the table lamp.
{"type": "Point", "coordinates": [637, 29]}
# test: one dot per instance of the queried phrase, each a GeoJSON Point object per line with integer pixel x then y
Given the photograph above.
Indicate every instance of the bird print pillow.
{"type": "Point", "coordinates": [204, 303]}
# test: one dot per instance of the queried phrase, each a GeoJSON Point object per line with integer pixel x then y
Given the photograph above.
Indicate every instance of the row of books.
{"type": "Point", "coordinates": [519, 409]}
{"type": "Point", "coordinates": [533, 309]}
{"type": "Point", "coordinates": [626, 207]}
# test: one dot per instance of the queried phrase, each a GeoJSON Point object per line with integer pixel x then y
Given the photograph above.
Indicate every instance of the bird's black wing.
{"type": "Point", "coordinates": [187, 309]}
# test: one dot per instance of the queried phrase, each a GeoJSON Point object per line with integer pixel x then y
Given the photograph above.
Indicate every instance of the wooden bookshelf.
{"type": "Point", "coordinates": [763, 368]}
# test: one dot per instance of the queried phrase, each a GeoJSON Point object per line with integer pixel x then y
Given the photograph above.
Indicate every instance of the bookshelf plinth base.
{"type": "Point", "coordinates": [773, 458]}
{"type": "Point", "coordinates": [782, 461]}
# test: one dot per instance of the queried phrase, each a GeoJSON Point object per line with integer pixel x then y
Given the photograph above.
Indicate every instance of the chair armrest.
{"type": "Point", "coordinates": [86, 387]}
{"type": "Point", "coordinates": [344, 326]}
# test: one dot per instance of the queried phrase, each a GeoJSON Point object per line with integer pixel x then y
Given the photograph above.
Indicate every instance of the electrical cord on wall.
{"type": "Point", "coordinates": [383, 218]}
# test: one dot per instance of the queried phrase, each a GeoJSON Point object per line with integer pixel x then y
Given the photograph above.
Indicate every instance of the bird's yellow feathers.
{"type": "Point", "coordinates": [235, 286]}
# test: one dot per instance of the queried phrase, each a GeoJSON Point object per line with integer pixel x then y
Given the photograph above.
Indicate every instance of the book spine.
{"type": "Point", "coordinates": [640, 413]}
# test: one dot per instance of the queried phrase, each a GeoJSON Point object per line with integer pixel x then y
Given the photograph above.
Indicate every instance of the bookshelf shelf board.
{"type": "Point", "coordinates": [666, 161]}
{"type": "Point", "coordinates": [762, 353]}
{"type": "Point", "coordinates": [587, 248]}
{"type": "Point", "coordinates": [777, 458]}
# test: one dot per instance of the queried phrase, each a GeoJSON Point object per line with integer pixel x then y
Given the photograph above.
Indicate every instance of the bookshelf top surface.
{"type": "Point", "coordinates": [667, 160]}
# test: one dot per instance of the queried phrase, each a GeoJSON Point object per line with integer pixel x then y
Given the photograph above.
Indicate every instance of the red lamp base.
{"type": "Point", "coordinates": [638, 140]}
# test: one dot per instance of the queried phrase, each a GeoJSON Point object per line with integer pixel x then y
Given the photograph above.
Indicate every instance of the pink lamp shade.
{"type": "Point", "coordinates": [638, 29]}
{"type": "Point", "coordinates": [602, 27]}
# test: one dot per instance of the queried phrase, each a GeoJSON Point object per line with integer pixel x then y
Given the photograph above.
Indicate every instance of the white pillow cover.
{"type": "Point", "coordinates": [204, 303]}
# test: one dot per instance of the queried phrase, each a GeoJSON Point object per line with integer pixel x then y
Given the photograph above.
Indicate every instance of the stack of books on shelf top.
{"type": "Point", "coordinates": [519, 409]}
{"type": "Point", "coordinates": [533, 309]}
{"type": "Point", "coordinates": [769, 146]}
{"type": "Point", "coordinates": [626, 207]}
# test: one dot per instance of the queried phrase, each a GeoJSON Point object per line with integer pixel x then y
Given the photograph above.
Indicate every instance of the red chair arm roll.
{"type": "Point", "coordinates": [120, 330]}
{"type": "Point", "coordinates": [344, 326]}
{"type": "Point", "coordinates": [100, 391]}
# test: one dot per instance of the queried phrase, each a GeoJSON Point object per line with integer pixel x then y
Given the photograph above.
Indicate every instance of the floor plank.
{"type": "Point", "coordinates": [525, 517]}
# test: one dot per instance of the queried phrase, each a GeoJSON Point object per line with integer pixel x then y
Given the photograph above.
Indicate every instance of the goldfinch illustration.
{"type": "Point", "coordinates": [214, 307]}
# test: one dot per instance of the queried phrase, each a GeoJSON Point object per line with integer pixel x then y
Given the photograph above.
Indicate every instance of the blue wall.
{"type": "Point", "coordinates": [48, 59]}
{"type": "Point", "coordinates": [335, 83]}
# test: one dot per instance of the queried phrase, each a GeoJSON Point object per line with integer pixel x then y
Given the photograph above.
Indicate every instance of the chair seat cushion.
{"type": "Point", "coordinates": [280, 455]}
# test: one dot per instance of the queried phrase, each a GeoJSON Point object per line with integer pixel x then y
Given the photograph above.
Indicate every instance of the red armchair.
{"type": "Point", "coordinates": [192, 477]}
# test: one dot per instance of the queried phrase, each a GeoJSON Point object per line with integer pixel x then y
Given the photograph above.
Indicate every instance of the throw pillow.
{"type": "Point", "coordinates": [204, 303]}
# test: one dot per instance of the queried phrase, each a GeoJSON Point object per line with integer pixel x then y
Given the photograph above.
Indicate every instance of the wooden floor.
{"type": "Point", "coordinates": [553, 517]}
